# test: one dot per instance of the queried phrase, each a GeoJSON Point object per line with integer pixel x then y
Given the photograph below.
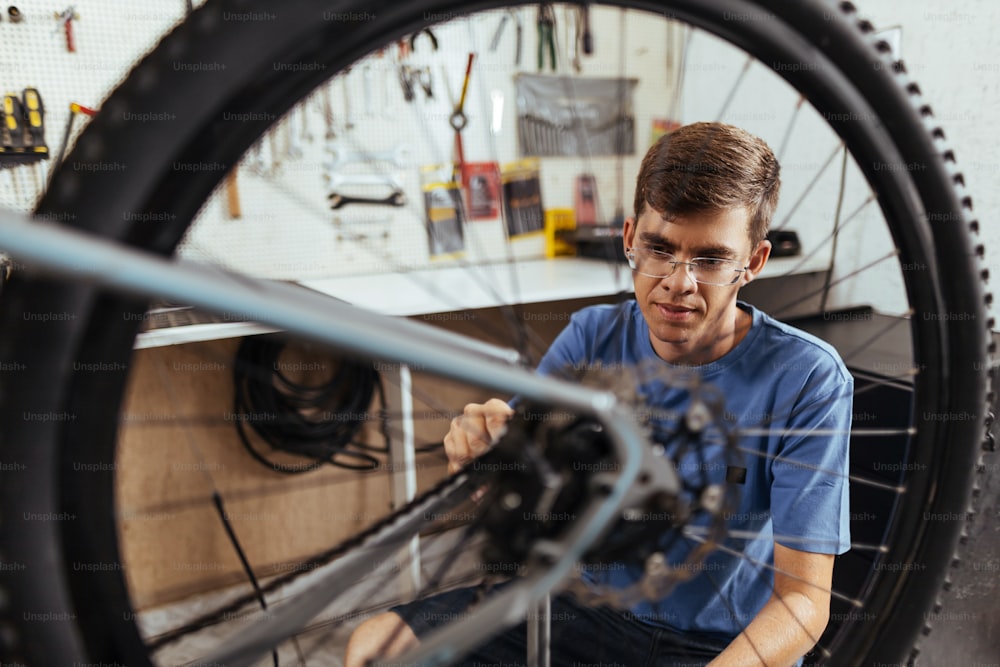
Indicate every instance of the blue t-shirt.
{"type": "Point", "coordinates": [793, 390]}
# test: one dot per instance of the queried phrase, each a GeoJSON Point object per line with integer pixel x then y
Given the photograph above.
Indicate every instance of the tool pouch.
{"type": "Point", "coordinates": [575, 116]}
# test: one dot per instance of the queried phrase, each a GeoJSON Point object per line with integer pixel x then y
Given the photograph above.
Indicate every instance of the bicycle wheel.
{"type": "Point", "coordinates": [121, 175]}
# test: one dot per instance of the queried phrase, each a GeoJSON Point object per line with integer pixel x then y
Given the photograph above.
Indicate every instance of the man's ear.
{"type": "Point", "coordinates": [757, 261]}
{"type": "Point", "coordinates": [628, 233]}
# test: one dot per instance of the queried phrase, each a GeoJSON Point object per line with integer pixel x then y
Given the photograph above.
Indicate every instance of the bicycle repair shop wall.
{"type": "Point", "coordinates": [367, 175]}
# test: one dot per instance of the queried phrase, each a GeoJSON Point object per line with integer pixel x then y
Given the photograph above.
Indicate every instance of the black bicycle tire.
{"type": "Point", "coordinates": [853, 77]}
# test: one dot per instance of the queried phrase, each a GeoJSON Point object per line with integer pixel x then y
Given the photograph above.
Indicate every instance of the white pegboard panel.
{"type": "Point", "coordinates": [287, 230]}
{"type": "Point", "coordinates": [110, 36]}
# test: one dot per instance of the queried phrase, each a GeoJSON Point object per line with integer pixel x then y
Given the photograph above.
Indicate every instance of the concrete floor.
{"type": "Point", "coordinates": [966, 630]}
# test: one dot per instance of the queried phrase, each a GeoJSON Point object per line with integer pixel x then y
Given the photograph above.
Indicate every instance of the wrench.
{"type": "Point", "coordinates": [348, 116]}
{"type": "Point", "coordinates": [337, 200]}
{"type": "Point", "coordinates": [338, 181]}
{"type": "Point", "coordinates": [342, 155]}
{"type": "Point", "coordinates": [293, 138]}
{"type": "Point", "coordinates": [306, 134]}
{"type": "Point", "coordinates": [369, 107]}
{"type": "Point", "coordinates": [328, 111]}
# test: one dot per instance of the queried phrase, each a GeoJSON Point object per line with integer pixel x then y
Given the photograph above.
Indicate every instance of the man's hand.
{"type": "Point", "coordinates": [476, 430]}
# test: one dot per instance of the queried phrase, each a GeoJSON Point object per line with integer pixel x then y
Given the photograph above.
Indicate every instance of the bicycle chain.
{"type": "Point", "coordinates": [656, 583]}
{"type": "Point", "coordinates": [448, 485]}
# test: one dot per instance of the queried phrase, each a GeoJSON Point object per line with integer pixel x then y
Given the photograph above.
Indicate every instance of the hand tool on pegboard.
{"type": "Point", "coordinates": [75, 110]}
{"type": "Point", "coordinates": [293, 136]}
{"type": "Point", "coordinates": [66, 18]}
{"type": "Point", "coordinates": [274, 151]}
{"type": "Point", "coordinates": [305, 132]}
{"type": "Point", "coordinates": [337, 200]}
{"type": "Point", "coordinates": [233, 207]}
{"type": "Point", "coordinates": [495, 42]}
{"type": "Point", "coordinates": [366, 81]}
{"type": "Point", "coordinates": [34, 116]}
{"type": "Point", "coordinates": [586, 35]}
{"type": "Point", "coordinates": [328, 119]}
{"type": "Point", "coordinates": [14, 14]}
{"type": "Point", "coordinates": [348, 115]}
{"type": "Point", "coordinates": [406, 82]}
{"type": "Point", "coordinates": [12, 138]}
{"type": "Point", "coordinates": [411, 76]}
{"type": "Point", "coordinates": [583, 39]}
{"type": "Point", "coordinates": [546, 35]}
{"type": "Point", "coordinates": [344, 154]}
{"type": "Point", "coordinates": [22, 139]}
{"type": "Point", "coordinates": [458, 119]}
{"type": "Point", "coordinates": [338, 182]}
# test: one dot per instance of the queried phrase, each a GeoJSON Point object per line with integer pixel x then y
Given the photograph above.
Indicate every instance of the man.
{"type": "Point", "coordinates": [705, 195]}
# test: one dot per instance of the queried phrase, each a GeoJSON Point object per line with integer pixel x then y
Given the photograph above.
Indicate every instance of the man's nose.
{"type": "Point", "coordinates": [681, 280]}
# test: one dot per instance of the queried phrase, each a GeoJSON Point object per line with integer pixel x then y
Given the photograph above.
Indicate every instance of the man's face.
{"type": "Point", "coordinates": [689, 322]}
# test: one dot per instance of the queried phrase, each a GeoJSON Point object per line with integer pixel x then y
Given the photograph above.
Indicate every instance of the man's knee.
{"type": "Point", "coordinates": [382, 636]}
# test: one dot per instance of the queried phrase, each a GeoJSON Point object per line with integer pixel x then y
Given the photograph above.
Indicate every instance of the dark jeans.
{"type": "Point", "coordinates": [581, 636]}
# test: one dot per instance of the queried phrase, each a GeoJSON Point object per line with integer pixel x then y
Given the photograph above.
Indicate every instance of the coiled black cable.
{"type": "Point", "coordinates": [318, 422]}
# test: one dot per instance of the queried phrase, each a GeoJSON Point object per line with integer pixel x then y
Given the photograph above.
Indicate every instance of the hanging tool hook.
{"type": "Point", "coordinates": [429, 33]}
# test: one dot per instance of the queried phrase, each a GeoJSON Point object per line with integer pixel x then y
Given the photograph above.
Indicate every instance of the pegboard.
{"type": "Point", "coordinates": [109, 37]}
{"type": "Point", "coordinates": [285, 228]}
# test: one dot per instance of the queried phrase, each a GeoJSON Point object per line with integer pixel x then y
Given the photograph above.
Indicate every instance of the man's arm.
{"type": "Point", "coordinates": [480, 425]}
{"type": "Point", "coordinates": [791, 622]}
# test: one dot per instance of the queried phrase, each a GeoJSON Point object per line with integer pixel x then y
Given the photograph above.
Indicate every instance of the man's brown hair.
{"type": "Point", "coordinates": [705, 167]}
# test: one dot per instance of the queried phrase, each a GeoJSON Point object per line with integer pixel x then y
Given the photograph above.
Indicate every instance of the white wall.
{"type": "Point", "coordinates": [952, 50]}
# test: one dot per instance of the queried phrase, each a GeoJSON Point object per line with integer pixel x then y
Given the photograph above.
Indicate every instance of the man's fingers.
{"type": "Point", "coordinates": [497, 413]}
{"type": "Point", "coordinates": [475, 431]}
{"type": "Point", "coordinates": [456, 446]}
{"type": "Point", "coordinates": [463, 444]}
{"type": "Point", "coordinates": [473, 424]}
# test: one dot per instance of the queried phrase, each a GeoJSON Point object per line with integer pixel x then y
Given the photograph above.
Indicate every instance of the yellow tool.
{"type": "Point", "coordinates": [13, 112]}
{"type": "Point", "coordinates": [35, 115]}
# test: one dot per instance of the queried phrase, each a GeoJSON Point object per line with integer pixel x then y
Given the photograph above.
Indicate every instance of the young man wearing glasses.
{"type": "Point", "coordinates": [705, 195]}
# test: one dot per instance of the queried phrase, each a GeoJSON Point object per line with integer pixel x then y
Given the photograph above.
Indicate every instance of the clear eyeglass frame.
{"type": "Point", "coordinates": [703, 270]}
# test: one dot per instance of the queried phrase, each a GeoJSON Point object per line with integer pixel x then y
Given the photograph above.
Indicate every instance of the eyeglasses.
{"type": "Point", "coordinates": [705, 270]}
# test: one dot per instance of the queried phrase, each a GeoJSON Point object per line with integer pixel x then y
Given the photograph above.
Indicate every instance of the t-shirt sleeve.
{"type": "Point", "coordinates": [810, 492]}
{"type": "Point", "coordinates": [566, 352]}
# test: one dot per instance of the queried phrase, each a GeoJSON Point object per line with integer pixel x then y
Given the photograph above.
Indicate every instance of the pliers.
{"type": "Point", "coordinates": [546, 35]}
